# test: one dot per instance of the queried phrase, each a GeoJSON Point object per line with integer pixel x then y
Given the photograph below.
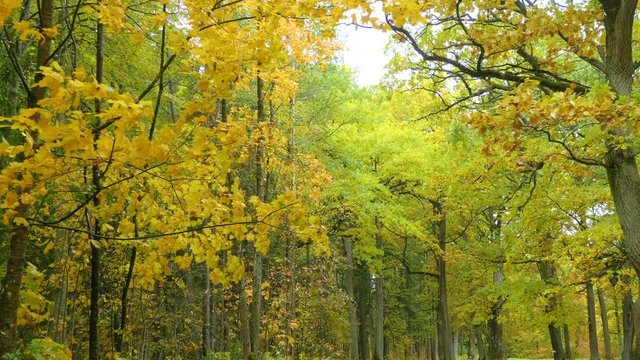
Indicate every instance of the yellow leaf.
{"type": "Point", "coordinates": [80, 73]}
{"type": "Point", "coordinates": [50, 33]}
{"type": "Point", "coordinates": [137, 38]}
{"type": "Point", "coordinates": [20, 221]}
{"type": "Point", "coordinates": [158, 20]}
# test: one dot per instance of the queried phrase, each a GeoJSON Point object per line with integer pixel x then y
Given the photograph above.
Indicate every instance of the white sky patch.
{"type": "Point", "coordinates": [364, 50]}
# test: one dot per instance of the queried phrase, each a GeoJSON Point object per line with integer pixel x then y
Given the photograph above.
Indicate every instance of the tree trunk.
{"type": "Point", "coordinates": [549, 274]}
{"type": "Point", "coordinates": [206, 323]}
{"type": "Point", "coordinates": [616, 312]}
{"type": "Point", "coordinates": [627, 325]}
{"type": "Point", "coordinates": [433, 347]}
{"type": "Point", "coordinates": [567, 342]}
{"type": "Point", "coordinates": [379, 318]}
{"type": "Point", "coordinates": [482, 353]}
{"type": "Point", "coordinates": [58, 323]}
{"type": "Point", "coordinates": [94, 316]}
{"type": "Point", "coordinates": [11, 285]}
{"type": "Point", "coordinates": [256, 301]}
{"type": "Point", "coordinates": [621, 165]}
{"type": "Point", "coordinates": [363, 301]}
{"type": "Point", "coordinates": [256, 305]}
{"type": "Point", "coordinates": [291, 303]}
{"type": "Point", "coordinates": [471, 351]}
{"type": "Point", "coordinates": [94, 312]}
{"type": "Point", "coordinates": [353, 315]}
{"type": "Point", "coordinates": [444, 323]}
{"type": "Point", "coordinates": [496, 346]}
{"type": "Point", "coordinates": [243, 316]}
{"type": "Point", "coordinates": [19, 236]}
{"type": "Point", "coordinates": [456, 344]}
{"type": "Point", "coordinates": [124, 299]}
{"type": "Point", "coordinates": [593, 331]}
{"type": "Point", "coordinates": [605, 325]}
{"type": "Point", "coordinates": [636, 328]}
{"type": "Point", "coordinates": [556, 341]}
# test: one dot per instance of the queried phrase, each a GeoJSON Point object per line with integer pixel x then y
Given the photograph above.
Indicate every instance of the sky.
{"type": "Point", "coordinates": [364, 52]}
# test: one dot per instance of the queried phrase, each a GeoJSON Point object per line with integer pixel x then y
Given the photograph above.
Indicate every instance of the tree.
{"type": "Point", "coordinates": [561, 54]}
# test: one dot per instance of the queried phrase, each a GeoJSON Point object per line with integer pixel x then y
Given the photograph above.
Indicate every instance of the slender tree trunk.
{"type": "Point", "coordinates": [243, 315]}
{"type": "Point", "coordinates": [444, 323]}
{"type": "Point", "coordinates": [353, 315]}
{"type": "Point", "coordinates": [616, 312]}
{"type": "Point", "coordinates": [256, 302]}
{"type": "Point", "coordinates": [363, 301]}
{"type": "Point", "coordinates": [627, 325]}
{"type": "Point", "coordinates": [60, 293]}
{"type": "Point", "coordinates": [119, 336]}
{"type": "Point", "coordinates": [471, 351]}
{"type": "Point", "coordinates": [605, 325]}
{"type": "Point", "coordinates": [456, 343]}
{"type": "Point", "coordinates": [291, 303]}
{"type": "Point", "coordinates": [172, 106]}
{"type": "Point", "coordinates": [593, 331]}
{"type": "Point", "coordinates": [206, 324]}
{"type": "Point", "coordinates": [549, 274]}
{"type": "Point", "coordinates": [482, 353]}
{"type": "Point", "coordinates": [256, 305]}
{"type": "Point", "coordinates": [496, 348]}
{"type": "Point", "coordinates": [19, 236]}
{"type": "Point", "coordinates": [292, 239]}
{"type": "Point", "coordinates": [379, 326]}
{"type": "Point", "coordinates": [494, 327]}
{"type": "Point", "coordinates": [11, 285]}
{"type": "Point", "coordinates": [636, 328]}
{"type": "Point", "coordinates": [94, 316]}
{"type": "Point", "coordinates": [567, 342]}
{"type": "Point", "coordinates": [433, 348]}
{"type": "Point", "coordinates": [556, 341]}
{"type": "Point", "coordinates": [379, 318]}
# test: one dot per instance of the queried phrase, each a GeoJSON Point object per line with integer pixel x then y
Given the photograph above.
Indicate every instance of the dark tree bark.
{"type": "Point", "coordinates": [616, 312]}
{"type": "Point", "coordinates": [567, 342]}
{"type": "Point", "coordinates": [363, 300]}
{"type": "Point", "coordinates": [627, 325]}
{"type": "Point", "coordinates": [94, 311]}
{"type": "Point", "coordinates": [291, 294]}
{"type": "Point", "coordinates": [593, 330]}
{"type": "Point", "coordinates": [471, 351]}
{"type": "Point", "coordinates": [243, 316]}
{"type": "Point", "coordinates": [482, 352]}
{"type": "Point", "coordinates": [444, 322]}
{"type": "Point", "coordinates": [206, 314]}
{"type": "Point", "coordinates": [556, 341]}
{"type": "Point", "coordinates": [353, 315]}
{"type": "Point", "coordinates": [256, 301]}
{"type": "Point", "coordinates": [119, 335]}
{"type": "Point", "coordinates": [548, 273]}
{"type": "Point", "coordinates": [494, 327]}
{"type": "Point", "coordinates": [433, 348]}
{"type": "Point", "coordinates": [605, 325]}
{"type": "Point", "coordinates": [256, 305]}
{"type": "Point", "coordinates": [94, 229]}
{"type": "Point", "coordinates": [379, 316]}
